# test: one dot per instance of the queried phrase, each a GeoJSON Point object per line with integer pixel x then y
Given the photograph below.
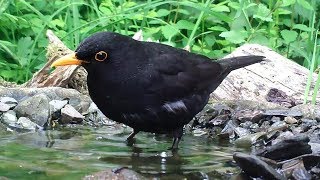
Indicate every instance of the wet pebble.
{"type": "Point", "coordinates": [278, 126]}
{"type": "Point", "coordinates": [9, 101]}
{"type": "Point", "coordinates": [199, 132]}
{"type": "Point", "coordinates": [283, 136]}
{"type": "Point", "coordinates": [290, 120]}
{"type": "Point", "coordinates": [287, 149]}
{"type": "Point", "coordinates": [70, 115]}
{"type": "Point", "coordinates": [308, 123]}
{"type": "Point", "coordinates": [283, 112]}
{"type": "Point", "coordinates": [250, 139]}
{"type": "Point", "coordinates": [301, 173]}
{"type": "Point", "coordinates": [4, 107]}
{"type": "Point", "coordinates": [248, 115]}
{"type": "Point", "coordinates": [57, 105]}
{"type": "Point", "coordinates": [255, 167]}
{"type": "Point", "coordinates": [218, 121]}
{"type": "Point", "coordinates": [240, 132]}
{"type": "Point", "coordinates": [36, 108]}
{"type": "Point", "coordinates": [9, 118]}
{"type": "Point", "coordinates": [26, 123]}
{"type": "Point", "coordinates": [275, 119]}
{"type": "Point", "coordinates": [246, 124]}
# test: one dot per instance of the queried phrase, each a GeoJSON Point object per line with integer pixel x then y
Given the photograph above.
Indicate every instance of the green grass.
{"type": "Point", "coordinates": [213, 28]}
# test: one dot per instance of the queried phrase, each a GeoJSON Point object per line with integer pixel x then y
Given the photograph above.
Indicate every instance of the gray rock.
{"type": "Point", "coordinates": [199, 132]}
{"type": "Point", "coordinates": [241, 131]}
{"type": "Point", "coordinates": [290, 120]}
{"type": "Point", "coordinates": [278, 126]}
{"type": "Point", "coordinates": [9, 118]}
{"type": "Point", "coordinates": [96, 115]}
{"type": "Point", "coordinates": [315, 147]}
{"type": "Point", "coordinates": [254, 127]}
{"type": "Point", "coordinates": [26, 123]}
{"type": "Point", "coordinates": [301, 173]}
{"type": "Point", "coordinates": [309, 111]}
{"type": "Point", "coordinates": [283, 136]}
{"type": "Point", "coordinates": [246, 124]}
{"type": "Point", "coordinates": [219, 120]}
{"type": "Point", "coordinates": [275, 119]}
{"type": "Point", "coordinates": [250, 139]}
{"type": "Point", "coordinates": [287, 149]}
{"type": "Point", "coordinates": [9, 101]}
{"type": "Point", "coordinates": [308, 123]}
{"type": "Point", "coordinates": [4, 107]}
{"type": "Point", "coordinates": [79, 101]}
{"type": "Point", "coordinates": [56, 105]}
{"type": "Point", "coordinates": [248, 115]}
{"type": "Point", "coordinates": [255, 167]}
{"type": "Point", "coordinates": [283, 112]}
{"type": "Point", "coordinates": [36, 108]}
{"type": "Point", "coordinates": [70, 115]}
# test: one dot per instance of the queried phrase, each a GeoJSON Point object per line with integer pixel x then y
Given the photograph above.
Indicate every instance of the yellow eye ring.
{"type": "Point", "coordinates": [101, 56]}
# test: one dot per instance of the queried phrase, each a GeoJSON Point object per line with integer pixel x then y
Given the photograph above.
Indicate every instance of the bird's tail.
{"type": "Point", "coordinates": [238, 62]}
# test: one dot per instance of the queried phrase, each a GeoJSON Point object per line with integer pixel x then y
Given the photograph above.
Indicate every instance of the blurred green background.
{"type": "Point", "coordinates": [212, 28]}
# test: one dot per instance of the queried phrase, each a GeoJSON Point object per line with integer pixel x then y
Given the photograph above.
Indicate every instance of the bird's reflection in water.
{"type": "Point", "coordinates": [152, 163]}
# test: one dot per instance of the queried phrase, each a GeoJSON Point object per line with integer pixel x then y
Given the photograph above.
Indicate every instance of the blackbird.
{"type": "Point", "coordinates": [149, 86]}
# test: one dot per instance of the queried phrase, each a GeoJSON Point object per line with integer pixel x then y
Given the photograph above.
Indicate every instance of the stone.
{"type": "Point", "coordinates": [240, 132]}
{"type": "Point", "coordinates": [219, 120]}
{"type": "Point", "coordinates": [35, 108]}
{"type": "Point", "coordinates": [246, 124]}
{"type": "Point", "coordinates": [79, 101]}
{"type": "Point", "coordinates": [70, 115]}
{"type": "Point", "coordinates": [9, 118]}
{"type": "Point", "coordinates": [9, 101]}
{"type": "Point", "coordinates": [287, 149]}
{"type": "Point", "coordinates": [250, 139]}
{"type": "Point", "coordinates": [199, 132]}
{"type": "Point", "coordinates": [301, 173]}
{"type": "Point", "coordinates": [248, 115]}
{"type": "Point", "coordinates": [56, 105]}
{"type": "Point", "coordinates": [308, 123]}
{"type": "Point", "coordinates": [290, 120]}
{"type": "Point", "coordinates": [278, 126]}
{"type": "Point", "coordinates": [255, 167]}
{"type": "Point", "coordinates": [309, 111]}
{"type": "Point", "coordinates": [26, 123]}
{"type": "Point", "coordinates": [95, 115]}
{"type": "Point", "coordinates": [283, 112]}
{"type": "Point", "coordinates": [283, 136]}
{"type": "Point", "coordinates": [4, 107]}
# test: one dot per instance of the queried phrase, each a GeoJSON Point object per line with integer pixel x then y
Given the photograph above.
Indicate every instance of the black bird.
{"type": "Point", "coordinates": [149, 86]}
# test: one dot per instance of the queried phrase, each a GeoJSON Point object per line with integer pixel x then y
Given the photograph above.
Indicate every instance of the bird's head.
{"type": "Point", "coordinates": [94, 50]}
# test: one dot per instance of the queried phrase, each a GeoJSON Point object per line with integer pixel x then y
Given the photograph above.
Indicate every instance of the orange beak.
{"type": "Point", "coordinates": [69, 59]}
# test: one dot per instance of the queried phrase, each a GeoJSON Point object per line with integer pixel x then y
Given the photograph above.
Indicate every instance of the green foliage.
{"type": "Point", "coordinates": [212, 28]}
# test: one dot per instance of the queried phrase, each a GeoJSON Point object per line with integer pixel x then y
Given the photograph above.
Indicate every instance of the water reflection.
{"type": "Point", "coordinates": [75, 152]}
{"type": "Point", "coordinates": [164, 162]}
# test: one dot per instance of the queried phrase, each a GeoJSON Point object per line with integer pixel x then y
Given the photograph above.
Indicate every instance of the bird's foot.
{"type": "Point", "coordinates": [175, 144]}
{"type": "Point", "coordinates": [130, 141]}
{"type": "Point", "coordinates": [177, 134]}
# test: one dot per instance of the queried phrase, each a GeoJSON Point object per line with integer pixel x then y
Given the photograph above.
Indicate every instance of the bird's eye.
{"type": "Point", "coordinates": [101, 56]}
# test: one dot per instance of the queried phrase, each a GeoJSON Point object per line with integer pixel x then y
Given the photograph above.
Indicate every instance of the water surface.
{"type": "Point", "coordinates": [74, 152]}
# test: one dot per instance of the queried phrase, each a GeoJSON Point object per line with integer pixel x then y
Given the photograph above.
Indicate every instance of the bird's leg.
{"type": "Point", "coordinates": [130, 137]}
{"type": "Point", "coordinates": [177, 134]}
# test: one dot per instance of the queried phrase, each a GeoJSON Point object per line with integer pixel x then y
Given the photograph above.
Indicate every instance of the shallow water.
{"type": "Point", "coordinates": [74, 152]}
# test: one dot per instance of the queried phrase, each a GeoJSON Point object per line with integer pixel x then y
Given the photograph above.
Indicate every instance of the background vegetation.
{"type": "Point", "coordinates": [212, 28]}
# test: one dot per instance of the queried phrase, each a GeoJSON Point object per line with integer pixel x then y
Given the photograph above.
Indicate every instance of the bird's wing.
{"type": "Point", "coordinates": [177, 76]}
